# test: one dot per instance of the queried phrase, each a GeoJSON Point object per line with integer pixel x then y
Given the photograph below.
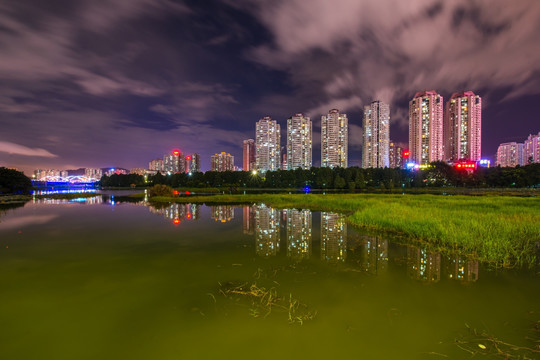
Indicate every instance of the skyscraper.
{"type": "Point", "coordinates": [510, 154]}
{"type": "Point", "coordinates": [463, 127]}
{"type": "Point", "coordinates": [299, 142]}
{"type": "Point", "coordinates": [195, 165]}
{"type": "Point", "coordinates": [396, 155]}
{"type": "Point", "coordinates": [334, 139]}
{"type": "Point", "coordinates": [222, 162]}
{"type": "Point", "coordinates": [174, 162]}
{"type": "Point", "coordinates": [248, 162]}
{"type": "Point", "coordinates": [156, 165]}
{"type": "Point", "coordinates": [531, 149]}
{"type": "Point", "coordinates": [376, 143]}
{"type": "Point", "coordinates": [267, 144]}
{"type": "Point", "coordinates": [426, 127]}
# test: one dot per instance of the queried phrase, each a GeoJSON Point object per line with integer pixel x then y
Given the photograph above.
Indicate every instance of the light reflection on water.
{"type": "Point", "coordinates": [117, 276]}
{"type": "Point", "coordinates": [368, 253]}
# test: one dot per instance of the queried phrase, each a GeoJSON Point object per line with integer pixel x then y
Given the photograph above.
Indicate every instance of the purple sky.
{"type": "Point", "coordinates": [99, 83]}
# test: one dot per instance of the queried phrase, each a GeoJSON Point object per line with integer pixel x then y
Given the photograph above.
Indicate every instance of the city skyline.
{"type": "Point", "coordinates": [100, 84]}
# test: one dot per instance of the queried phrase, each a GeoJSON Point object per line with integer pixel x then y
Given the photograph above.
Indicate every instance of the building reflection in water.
{"type": "Point", "coordinates": [461, 269]}
{"type": "Point", "coordinates": [298, 234]}
{"type": "Point", "coordinates": [374, 254]}
{"type": "Point", "coordinates": [248, 220]}
{"type": "Point", "coordinates": [177, 212]}
{"type": "Point", "coordinates": [431, 266]}
{"type": "Point", "coordinates": [423, 265]}
{"type": "Point", "coordinates": [83, 200]}
{"type": "Point", "coordinates": [333, 237]}
{"type": "Point", "coordinates": [266, 230]}
{"type": "Point", "coordinates": [222, 213]}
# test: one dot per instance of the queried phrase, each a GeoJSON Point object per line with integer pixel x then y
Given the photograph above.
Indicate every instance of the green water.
{"type": "Point", "coordinates": [97, 281]}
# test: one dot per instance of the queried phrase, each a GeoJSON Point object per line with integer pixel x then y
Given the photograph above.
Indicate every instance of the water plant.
{"type": "Point", "coordinates": [262, 301]}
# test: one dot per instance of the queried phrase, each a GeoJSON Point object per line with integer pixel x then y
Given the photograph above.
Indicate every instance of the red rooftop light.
{"type": "Point", "coordinates": [176, 152]}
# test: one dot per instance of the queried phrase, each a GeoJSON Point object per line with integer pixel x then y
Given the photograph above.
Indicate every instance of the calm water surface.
{"type": "Point", "coordinates": [92, 280]}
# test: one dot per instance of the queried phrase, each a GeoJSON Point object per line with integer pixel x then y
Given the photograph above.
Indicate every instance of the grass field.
{"type": "Point", "coordinates": [503, 230]}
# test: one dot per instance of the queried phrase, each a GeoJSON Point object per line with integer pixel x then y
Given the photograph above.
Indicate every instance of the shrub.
{"type": "Point", "coordinates": [160, 190]}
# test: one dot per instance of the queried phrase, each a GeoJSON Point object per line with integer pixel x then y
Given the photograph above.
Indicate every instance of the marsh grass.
{"type": "Point", "coordinates": [502, 230]}
{"type": "Point", "coordinates": [262, 302]}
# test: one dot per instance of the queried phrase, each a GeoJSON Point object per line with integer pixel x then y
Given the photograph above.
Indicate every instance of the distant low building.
{"type": "Point", "coordinates": [395, 155]}
{"type": "Point", "coordinates": [156, 165]}
{"type": "Point", "coordinates": [222, 162]}
{"type": "Point", "coordinates": [510, 154]}
{"type": "Point", "coordinates": [138, 171]}
{"type": "Point", "coordinates": [93, 173]}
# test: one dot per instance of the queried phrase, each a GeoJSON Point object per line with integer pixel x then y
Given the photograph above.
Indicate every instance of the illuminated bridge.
{"type": "Point", "coordinates": [74, 179]}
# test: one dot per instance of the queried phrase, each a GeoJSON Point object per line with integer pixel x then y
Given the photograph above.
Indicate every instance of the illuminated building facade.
{"type": "Point", "coordinates": [376, 126]}
{"type": "Point", "coordinates": [299, 234]}
{"type": "Point", "coordinates": [284, 162]}
{"type": "Point", "coordinates": [116, 171]}
{"type": "Point", "coordinates": [138, 171]}
{"type": "Point", "coordinates": [222, 162]}
{"type": "Point", "coordinates": [395, 155]}
{"type": "Point", "coordinates": [299, 141]}
{"type": "Point", "coordinates": [195, 163]}
{"type": "Point", "coordinates": [43, 174]}
{"type": "Point", "coordinates": [510, 154]}
{"type": "Point", "coordinates": [94, 173]}
{"type": "Point", "coordinates": [334, 139]}
{"type": "Point", "coordinates": [463, 127]}
{"type": "Point", "coordinates": [531, 149]}
{"type": "Point", "coordinates": [267, 235]}
{"type": "Point", "coordinates": [174, 162]}
{"type": "Point", "coordinates": [333, 237]}
{"type": "Point", "coordinates": [267, 144]}
{"type": "Point", "coordinates": [156, 165]}
{"type": "Point", "coordinates": [426, 127]}
{"type": "Point", "coordinates": [249, 162]}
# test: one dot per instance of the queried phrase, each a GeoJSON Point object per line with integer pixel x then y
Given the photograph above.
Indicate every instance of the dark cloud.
{"type": "Point", "coordinates": [103, 82]}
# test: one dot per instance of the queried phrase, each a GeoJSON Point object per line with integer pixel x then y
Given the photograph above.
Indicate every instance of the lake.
{"type": "Point", "coordinates": [101, 279]}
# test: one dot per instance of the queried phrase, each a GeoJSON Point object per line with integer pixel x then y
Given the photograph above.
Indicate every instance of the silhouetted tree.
{"type": "Point", "coordinates": [14, 182]}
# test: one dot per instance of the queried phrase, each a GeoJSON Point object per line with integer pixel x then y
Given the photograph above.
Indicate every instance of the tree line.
{"type": "Point", "coordinates": [438, 174]}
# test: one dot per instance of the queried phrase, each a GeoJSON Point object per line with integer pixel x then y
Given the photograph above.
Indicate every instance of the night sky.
{"type": "Point", "coordinates": [117, 83]}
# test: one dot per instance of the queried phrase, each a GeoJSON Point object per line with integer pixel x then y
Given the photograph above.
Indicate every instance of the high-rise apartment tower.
{"type": "Point", "coordinates": [426, 127]}
{"type": "Point", "coordinates": [376, 142]}
{"type": "Point", "coordinates": [299, 142]}
{"type": "Point", "coordinates": [463, 127]}
{"type": "Point", "coordinates": [267, 144]}
{"type": "Point", "coordinates": [334, 139]}
{"type": "Point", "coordinates": [248, 163]}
